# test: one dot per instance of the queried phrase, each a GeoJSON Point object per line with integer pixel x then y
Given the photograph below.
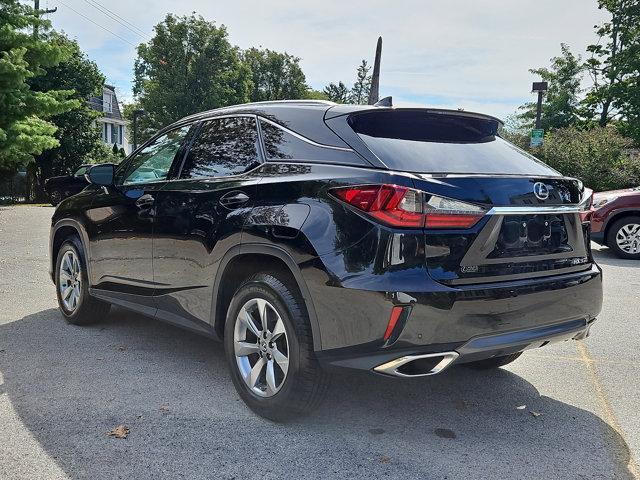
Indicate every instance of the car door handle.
{"type": "Point", "coordinates": [145, 201]}
{"type": "Point", "coordinates": [234, 199]}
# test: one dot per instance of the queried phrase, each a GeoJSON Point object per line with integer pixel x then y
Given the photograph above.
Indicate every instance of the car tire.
{"type": "Point", "coordinates": [55, 197]}
{"type": "Point", "coordinates": [621, 229]}
{"type": "Point", "coordinates": [493, 362]}
{"type": "Point", "coordinates": [72, 286]}
{"type": "Point", "coordinates": [256, 363]}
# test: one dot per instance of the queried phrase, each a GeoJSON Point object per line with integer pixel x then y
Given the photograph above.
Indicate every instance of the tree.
{"type": "Point", "coordinates": [360, 91]}
{"type": "Point", "coordinates": [24, 129]}
{"type": "Point", "coordinates": [187, 67]}
{"type": "Point", "coordinates": [615, 67]}
{"type": "Point", "coordinates": [338, 93]}
{"type": "Point", "coordinates": [315, 95]}
{"type": "Point", "coordinates": [560, 107]}
{"type": "Point", "coordinates": [276, 76]}
{"type": "Point", "coordinates": [77, 135]}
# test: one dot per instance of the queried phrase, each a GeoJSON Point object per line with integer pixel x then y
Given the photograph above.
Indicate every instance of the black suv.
{"type": "Point", "coordinates": [306, 234]}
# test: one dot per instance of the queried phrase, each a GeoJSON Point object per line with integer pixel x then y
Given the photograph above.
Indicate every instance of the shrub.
{"type": "Point", "coordinates": [600, 157]}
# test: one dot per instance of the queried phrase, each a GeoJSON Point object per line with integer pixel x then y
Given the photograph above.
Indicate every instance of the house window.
{"type": "Point", "coordinates": [120, 133]}
{"type": "Point", "coordinates": [105, 133]}
{"type": "Point", "coordinates": [107, 102]}
{"type": "Point", "coordinates": [114, 133]}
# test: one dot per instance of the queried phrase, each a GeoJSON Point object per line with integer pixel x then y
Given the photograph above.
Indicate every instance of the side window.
{"type": "Point", "coordinates": [153, 162]}
{"type": "Point", "coordinates": [80, 172]}
{"type": "Point", "coordinates": [224, 146]}
{"type": "Point", "coordinates": [279, 144]}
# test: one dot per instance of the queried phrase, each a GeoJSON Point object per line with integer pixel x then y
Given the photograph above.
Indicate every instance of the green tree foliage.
{"type": "Point", "coordinates": [560, 106]}
{"type": "Point", "coordinates": [315, 95]}
{"type": "Point", "coordinates": [338, 93]}
{"type": "Point", "coordinates": [276, 76]}
{"type": "Point", "coordinates": [24, 129]}
{"type": "Point", "coordinates": [187, 67]}
{"type": "Point", "coordinates": [78, 137]}
{"type": "Point", "coordinates": [599, 157]}
{"type": "Point", "coordinates": [360, 91]}
{"type": "Point", "coordinates": [615, 68]}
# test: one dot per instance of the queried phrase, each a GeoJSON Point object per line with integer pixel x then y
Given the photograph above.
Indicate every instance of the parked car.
{"type": "Point", "coordinates": [307, 235]}
{"type": "Point", "coordinates": [59, 188]}
{"type": "Point", "coordinates": [615, 221]}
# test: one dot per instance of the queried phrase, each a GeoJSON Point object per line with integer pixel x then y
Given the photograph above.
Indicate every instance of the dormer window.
{"type": "Point", "coordinates": [107, 102]}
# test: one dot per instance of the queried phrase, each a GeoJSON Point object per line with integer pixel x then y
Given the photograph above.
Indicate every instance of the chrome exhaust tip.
{"type": "Point", "coordinates": [418, 365]}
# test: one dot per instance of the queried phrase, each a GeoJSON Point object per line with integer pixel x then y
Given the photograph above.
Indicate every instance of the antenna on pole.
{"type": "Point", "coordinates": [375, 77]}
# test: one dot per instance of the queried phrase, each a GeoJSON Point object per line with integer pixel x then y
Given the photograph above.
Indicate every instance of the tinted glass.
{"type": "Point", "coordinates": [81, 171]}
{"type": "Point", "coordinates": [420, 141]}
{"type": "Point", "coordinates": [279, 145]}
{"type": "Point", "coordinates": [224, 146]}
{"type": "Point", "coordinates": [153, 162]}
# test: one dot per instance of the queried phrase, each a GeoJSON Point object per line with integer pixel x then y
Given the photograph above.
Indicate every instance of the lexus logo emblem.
{"type": "Point", "coordinates": [540, 190]}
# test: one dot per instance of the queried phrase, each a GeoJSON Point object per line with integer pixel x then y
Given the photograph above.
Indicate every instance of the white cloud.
{"type": "Point", "coordinates": [459, 53]}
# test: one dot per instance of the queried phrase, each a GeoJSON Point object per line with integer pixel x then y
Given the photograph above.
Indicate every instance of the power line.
{"type": "Point", "coordinates": [117, 18]}
{"type": "Point", "coordinates": [97, 24]}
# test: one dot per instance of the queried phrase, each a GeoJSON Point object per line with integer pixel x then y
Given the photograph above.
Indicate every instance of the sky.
{"type": "Point", "coordinates": [469, 54]}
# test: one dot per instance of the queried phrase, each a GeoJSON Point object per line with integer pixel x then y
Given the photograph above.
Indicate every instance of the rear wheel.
{"type": "Point", "coordinates": [72, 286]}
{"type": "Point", "coordinates": [493, 362]}
{"type": "Point", "coordinates": [624, 237]}
{"type": "Point", "coordinates": [269, 350]}
{"type": "Point", "coordinates": [55, 197]}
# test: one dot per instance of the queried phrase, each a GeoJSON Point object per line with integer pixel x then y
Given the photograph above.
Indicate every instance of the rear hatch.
{"type": "Point", "coordinates": [529, 226]}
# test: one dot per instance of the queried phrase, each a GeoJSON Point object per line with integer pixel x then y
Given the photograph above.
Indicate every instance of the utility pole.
{"type": "Point", "coordinates": [38, 12]}
{"type": "Point", "coordinates": [375, 77]}
{"type": "Point", "coordinates": [135, 115]}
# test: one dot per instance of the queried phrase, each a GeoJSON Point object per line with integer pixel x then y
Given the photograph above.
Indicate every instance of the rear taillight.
{"type": "Point", "coordinates": [405, 207]}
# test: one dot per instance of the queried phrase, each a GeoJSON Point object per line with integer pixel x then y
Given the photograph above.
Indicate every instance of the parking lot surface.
{"type": "Point", "coordinates": [568, 410]}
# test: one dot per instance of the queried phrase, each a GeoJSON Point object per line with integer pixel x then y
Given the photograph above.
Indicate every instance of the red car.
{"type": "Point", "coordinates": [615, 221]}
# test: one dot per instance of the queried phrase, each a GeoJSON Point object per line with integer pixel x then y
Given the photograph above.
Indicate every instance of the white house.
{"type": "Point", "coordinates": [115, 129]}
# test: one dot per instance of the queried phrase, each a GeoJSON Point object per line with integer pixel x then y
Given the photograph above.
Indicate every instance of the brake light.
{"type": "Point", "coordinates": [399, 206]}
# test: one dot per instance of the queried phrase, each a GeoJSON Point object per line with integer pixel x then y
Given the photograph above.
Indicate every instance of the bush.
{"type": "Point", "coordinates": [600, 157]}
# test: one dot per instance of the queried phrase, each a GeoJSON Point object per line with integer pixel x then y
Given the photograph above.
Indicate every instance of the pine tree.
{"type": "Point", "coordinates": [24, 129]}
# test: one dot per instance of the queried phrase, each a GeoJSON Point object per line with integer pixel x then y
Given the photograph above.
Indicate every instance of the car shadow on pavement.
{"type": "Point", "coordinates": [69, 385]}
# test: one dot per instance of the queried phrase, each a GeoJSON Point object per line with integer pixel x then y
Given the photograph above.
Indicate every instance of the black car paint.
{"type": "Point", "coordinates": [168, 258]}
{"type": "Point", "coordinates": [65, 185]}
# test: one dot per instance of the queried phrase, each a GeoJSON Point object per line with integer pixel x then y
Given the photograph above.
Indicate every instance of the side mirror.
{"type": "Point", "coordinates": [101, 174]}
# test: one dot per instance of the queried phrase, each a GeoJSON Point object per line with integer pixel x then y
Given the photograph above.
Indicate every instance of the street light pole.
{"type": "Point", "coordinates": [539, 87]}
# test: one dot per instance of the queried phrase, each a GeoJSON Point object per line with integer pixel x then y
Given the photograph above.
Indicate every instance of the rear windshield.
{"type": "Point", "coordinates": [427, 142]}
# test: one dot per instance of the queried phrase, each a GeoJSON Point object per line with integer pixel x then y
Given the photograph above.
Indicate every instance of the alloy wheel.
{"type": "Point", "coordinates": [261, 347]}
{"type": "Point", "coordinates": [628, 238]}
{"type": "Point", "coordinates": [70, 280]}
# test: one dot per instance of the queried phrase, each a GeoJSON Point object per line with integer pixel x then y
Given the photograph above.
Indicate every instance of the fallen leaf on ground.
{"type": "Point", "coordinates": [535, 414]}
{"type": "Point", "coordinates": [121, 348]}
{"type": "Point", "coordinates": [121, 431]}
{"type": "Point", "coordinates": [164, 408]}
{"type": "Point", "coordinates": [521, 407]}
{"type": "Point", "coordinates": [385, 459]}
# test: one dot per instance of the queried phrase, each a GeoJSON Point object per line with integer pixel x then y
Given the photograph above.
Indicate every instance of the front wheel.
{"type": "Point", "coordinates": [624, 238]}
{"type": "Point", "coordinates": [72, 286]}
{"type": "Point", "coordinates": [269, 349]}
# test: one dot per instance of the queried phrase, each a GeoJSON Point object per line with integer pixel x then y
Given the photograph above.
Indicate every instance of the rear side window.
{"type": "Point", "coordinates": [427, 142]}
{"type": "Point", "coordinates": [224, 146]}
{"type": "Point", "coordinates": [279, 145]}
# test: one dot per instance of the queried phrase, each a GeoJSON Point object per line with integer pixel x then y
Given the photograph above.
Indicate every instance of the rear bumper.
{"type": "Point", "coordinates": [473, 322]}
{"type": "Point", "coordinates": [416, 363]}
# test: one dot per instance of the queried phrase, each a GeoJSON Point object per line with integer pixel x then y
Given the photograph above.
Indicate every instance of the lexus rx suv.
{"type": "Point", "coordinates": [306, 235]}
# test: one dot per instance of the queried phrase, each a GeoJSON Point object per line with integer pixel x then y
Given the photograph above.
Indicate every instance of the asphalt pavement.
{"type": "Point", "coordinates": [568, 410]}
